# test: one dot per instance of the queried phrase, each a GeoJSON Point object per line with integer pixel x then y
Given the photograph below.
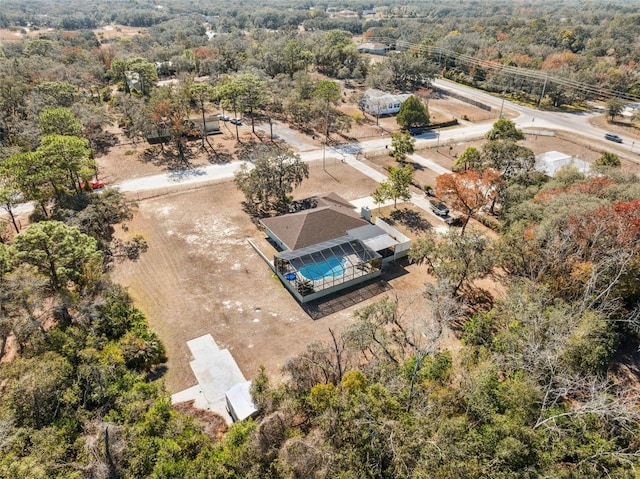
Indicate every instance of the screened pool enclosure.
{"type": "Point", "coordinates": [323, 268]}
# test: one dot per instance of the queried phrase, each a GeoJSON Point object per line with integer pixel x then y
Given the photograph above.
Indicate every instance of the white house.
{"type": "Point", "coordinates": [378, 103]}
{"type": "Point", "coordinates": [631, 109]}
{"type": "Point", "coordinates": [551, 162]}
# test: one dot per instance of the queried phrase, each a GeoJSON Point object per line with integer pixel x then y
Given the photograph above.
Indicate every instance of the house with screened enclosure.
{"type": "Point", "coordinates": [328, 246]}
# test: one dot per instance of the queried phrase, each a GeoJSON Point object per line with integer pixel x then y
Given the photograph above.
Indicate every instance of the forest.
{"type": "Point", "coordinates": [541, 382]}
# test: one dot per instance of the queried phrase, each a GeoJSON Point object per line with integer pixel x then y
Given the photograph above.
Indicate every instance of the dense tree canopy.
{"type": "Point", "coordinates": [505, 129]}
{"type": "Point", "coordinates": [59, 121]}
{"type": "Point", "coordinates": [57, 251]}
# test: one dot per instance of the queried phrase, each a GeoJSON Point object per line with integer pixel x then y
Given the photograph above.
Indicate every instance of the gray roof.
{"type": "Point", "coordinates": [374, 93]}
{"type": "Point", "coordinates": [373, 237]}
{"type": "Point", "coordinates": [551, 162]}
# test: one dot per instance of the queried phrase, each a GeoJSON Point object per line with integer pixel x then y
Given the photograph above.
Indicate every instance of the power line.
{"type": "Point", "coordinates": [509, 70]}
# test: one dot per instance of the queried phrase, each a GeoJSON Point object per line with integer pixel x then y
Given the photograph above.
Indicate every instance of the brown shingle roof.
{"type": "Point", "coordinates": [304, 228]}
{"type": "Point", "coordinates": [332, 199]}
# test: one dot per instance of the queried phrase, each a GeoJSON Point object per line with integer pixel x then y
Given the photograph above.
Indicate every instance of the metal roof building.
{"type": "Point", "coordinates": [551, 162]}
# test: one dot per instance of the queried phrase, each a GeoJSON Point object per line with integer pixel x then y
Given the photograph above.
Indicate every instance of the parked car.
{"type": "Point", "coordinates": [94, 184]}
{"type": "Point", "coordinates": [439, 208]}
{"type": "Point", "coordinates": [223, 118]}
{"type": "Point", "coordinates": [612, 137]}
{"type": "Point", "coordinates": [236, 121]}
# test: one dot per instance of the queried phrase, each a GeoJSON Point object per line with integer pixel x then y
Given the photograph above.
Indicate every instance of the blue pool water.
{"type": "Point", "coordinates": [330, 268]}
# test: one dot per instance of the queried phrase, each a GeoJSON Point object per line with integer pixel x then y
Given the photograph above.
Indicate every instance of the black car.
{"type": "Point", "coordinates": [439, 208]}
{"type": "Point", "coordinates": [612, 137]}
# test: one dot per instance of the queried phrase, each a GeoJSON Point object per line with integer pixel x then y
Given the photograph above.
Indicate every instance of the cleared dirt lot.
{"type": "Point", "coordinates": [200, 276]}
{"type": "Point", "coordinates": [107, 32]}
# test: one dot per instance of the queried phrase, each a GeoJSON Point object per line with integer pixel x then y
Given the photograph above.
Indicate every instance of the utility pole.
{"type": "Point", "coordinates": [544, 87]}
{"type": "Point", "coordinates": [328, 91]}
{"type": "Point", "coordinates": [326, 136]}
{"type": "Point", "coordinates": [323, 156]}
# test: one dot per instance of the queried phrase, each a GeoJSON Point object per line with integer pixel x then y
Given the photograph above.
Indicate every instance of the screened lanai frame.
{"type": "Point", "coordinates": [358, 261]}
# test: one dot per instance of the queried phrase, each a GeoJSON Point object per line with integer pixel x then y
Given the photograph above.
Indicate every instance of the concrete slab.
{"type": "Point", "coordinates": [216, 372]}
{"type": "Point", "coordinates": [368, 202]}
{"type": "Point", "coordinates": [427, 163]}
{"type": "Point", "coordinates": [202, 346]}
{"type": "Point", "coordinates": [194, 394]}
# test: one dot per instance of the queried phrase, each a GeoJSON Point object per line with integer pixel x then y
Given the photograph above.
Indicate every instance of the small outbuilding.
{"type": "Point", "coordinates": [375, 48]}
{"type": "Point", "coordinates": [551, 162]}
{"type": "Point", "coordinates": [239, 403]}
{"type": "Point", "coordinates": [211, 126]}
{"type": "Point", "coordinates": [221, 387]}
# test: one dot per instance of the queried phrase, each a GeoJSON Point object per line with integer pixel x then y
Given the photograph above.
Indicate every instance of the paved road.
{"type": "Point", "coordinates": [528, 117]}
{"type": "Point", "coordinates": [531, 118]}
{"type": "Point", "coordinates": [347, 153]}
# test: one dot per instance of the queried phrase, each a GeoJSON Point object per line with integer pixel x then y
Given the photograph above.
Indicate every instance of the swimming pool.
{"type": "Point", "coordinates": [330, 268]}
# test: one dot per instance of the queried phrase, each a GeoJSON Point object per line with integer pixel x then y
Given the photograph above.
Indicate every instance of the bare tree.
{"type": "Point", "coordinates": [578, 396]}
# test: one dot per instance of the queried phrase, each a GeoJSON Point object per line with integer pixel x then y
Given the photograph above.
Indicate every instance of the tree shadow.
{"type": "Point", "coordinates": [410, 219]}
{"type": "Point", "coordinates": [626, 363]}
{"type": "Point", "coordinates": [416, 166]}
{"type": "Point", "coordinates": [477, 300]}
{"type": "Point", "coordinates": [169, 158]}
{"type": "Point", "coordinates": [103, 142]}
{"type": "Point", "coordinates": [157, 372]}
{"type": "Point", "coordinates": [216, 154]}
{"type": "Point", "coordinates": [250, 150]}
{"type": "Point", "coordinates": [219, 157]}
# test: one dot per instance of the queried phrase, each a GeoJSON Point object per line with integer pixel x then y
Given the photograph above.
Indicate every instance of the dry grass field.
{"type": "Point", "coordinates": [200, 274]}
{"type": "Point", "coordinates": [107, 32]}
